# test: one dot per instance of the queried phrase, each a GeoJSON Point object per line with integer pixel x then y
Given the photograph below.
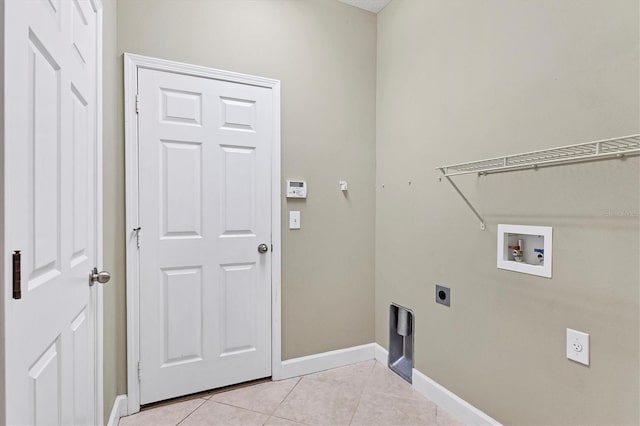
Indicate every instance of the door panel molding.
{"type": "Point", "coordinates": [239, 118]}
{"type": "Point", "coordinates": [83, 85]}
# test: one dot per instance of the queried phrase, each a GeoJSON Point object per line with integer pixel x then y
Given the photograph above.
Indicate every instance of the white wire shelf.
{"type": "Point", "coordinates": [590, 151]}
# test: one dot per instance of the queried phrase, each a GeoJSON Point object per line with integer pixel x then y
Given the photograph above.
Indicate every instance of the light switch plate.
{"type": "Point", "coordinates": [578, 346]}
{"type": "Point", "coordinates": [294, 220]}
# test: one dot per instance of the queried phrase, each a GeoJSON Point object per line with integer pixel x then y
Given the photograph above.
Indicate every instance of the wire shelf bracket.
{"type": "Point", "coordinates": [605, 149]}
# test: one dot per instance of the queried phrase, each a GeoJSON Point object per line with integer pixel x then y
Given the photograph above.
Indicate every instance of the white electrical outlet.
{"type": "Point", "coordinates": [578, 346]}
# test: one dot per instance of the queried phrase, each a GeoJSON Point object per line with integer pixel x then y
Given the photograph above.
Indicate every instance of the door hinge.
{"type": "Point", "coordinates": [140, 372]}
{"type": "Point", "coordinates": [137, 103]}
{"type": "Point", "coordinates": [138, 232]}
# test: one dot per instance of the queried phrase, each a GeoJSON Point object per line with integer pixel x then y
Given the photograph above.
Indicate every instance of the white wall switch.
{"type": "Point", "coordinates": [294, 220]}
{"type": "Point", "coordinates": [344, 186]}
{"type": "Point", "coordinates": [578, 346]}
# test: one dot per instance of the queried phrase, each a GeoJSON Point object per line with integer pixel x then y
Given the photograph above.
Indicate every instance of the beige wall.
{"type": "Point", "coordinates": [324, 52]}
{"type": "Point", "coordinates": [466, 80]}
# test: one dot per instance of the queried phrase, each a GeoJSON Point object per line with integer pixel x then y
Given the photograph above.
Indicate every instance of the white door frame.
{"type": "Point", "coordinates": [97, 296]}
{"type": "Point", "coordinates": [131, 65]}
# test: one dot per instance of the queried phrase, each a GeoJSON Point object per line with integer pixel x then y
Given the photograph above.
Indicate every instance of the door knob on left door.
{"type": "Point", "coordinates": [101, 277]}
{"type": "Point", "coordinates": [263, 248]}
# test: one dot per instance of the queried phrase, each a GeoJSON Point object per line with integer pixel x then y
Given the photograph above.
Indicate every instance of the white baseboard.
{"type": "Point", "coordinates": [381, 354]}
{"type": "Point", "coordinates": [452, 403]}
{"type": "Point", "coordinates": [324, 361]}
{"type": "Point", "coordinates": [118, 410]}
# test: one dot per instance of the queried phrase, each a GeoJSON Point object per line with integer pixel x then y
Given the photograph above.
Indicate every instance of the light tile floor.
{"type": "Point", "coordinates": [367, 393]}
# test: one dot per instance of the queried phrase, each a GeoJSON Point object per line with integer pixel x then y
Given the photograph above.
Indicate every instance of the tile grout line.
{"type": "Point", "coordinates": [289, 420]}
{"type": "Point", "coordinates": [228, 405]}
{"type": "Point", "coordinates": [287, 395]}
{"type": "Point", "coordinates": [242, 408]}
{"type": "Point", "coordinates": [192, 411]}
{"type": "Point", "coordinates": [239, 408]}
{"type": "Point", "coordinates": [362, 393]}
{"type": "Point", "coordinates": [283, 399]}
{"type": "Point", "coordinates": [410, 400]}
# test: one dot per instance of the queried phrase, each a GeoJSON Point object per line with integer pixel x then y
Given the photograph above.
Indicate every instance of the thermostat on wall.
{"type": "Point", "coordinates": [296, 189]}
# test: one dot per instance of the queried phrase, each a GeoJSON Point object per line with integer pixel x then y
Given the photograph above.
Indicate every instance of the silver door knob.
{"type": "Point", "coordinates": [101, 277]}
{"type": "Point", "coordinates": [263, 248]}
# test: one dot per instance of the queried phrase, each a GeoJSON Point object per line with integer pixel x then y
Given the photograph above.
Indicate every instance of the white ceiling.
{"type": "Point", "coordinates": [374, 6]}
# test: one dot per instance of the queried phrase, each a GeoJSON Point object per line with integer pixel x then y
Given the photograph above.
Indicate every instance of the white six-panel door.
{"type": "Point", "coordinates": [204, 208]}
{"type": "Point", "coordinates": [50, 210]}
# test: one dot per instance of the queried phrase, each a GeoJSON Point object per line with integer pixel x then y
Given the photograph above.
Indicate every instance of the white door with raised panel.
{"type": "Point", "coordinates": [50, 211]}
{"type": "Point", "coordinates": [205, 217]}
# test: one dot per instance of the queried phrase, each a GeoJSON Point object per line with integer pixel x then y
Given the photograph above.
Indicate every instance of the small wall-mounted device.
{"type": "Point", "coordinates": [296, 189]}
{"type": "Point", "coordinates": [443, 295]}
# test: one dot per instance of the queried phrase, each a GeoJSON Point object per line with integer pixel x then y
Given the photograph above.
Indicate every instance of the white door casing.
{"type": "Point", "coordinates": [52, 183]}
{"type": "Point", "coordinates": [203, 182]}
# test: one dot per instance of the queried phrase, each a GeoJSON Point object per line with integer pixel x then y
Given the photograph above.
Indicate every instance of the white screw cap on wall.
{"type": "Point", "coordinates": [578, 346]}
